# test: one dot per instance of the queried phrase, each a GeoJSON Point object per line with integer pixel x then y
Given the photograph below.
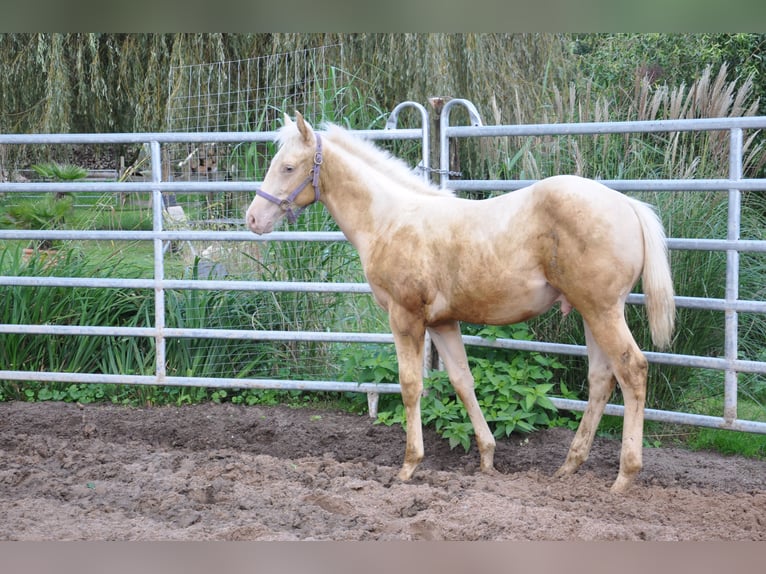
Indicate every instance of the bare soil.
{"type": "Point", "coordinates": [227, 472]}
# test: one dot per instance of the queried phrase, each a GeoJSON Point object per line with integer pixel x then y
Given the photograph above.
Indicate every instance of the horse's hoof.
{"type": "Point", "coordinates": [564, 470]}
{"type": "Point", "coordinates": [621, 485]}
{"type": "Point", "coordinates": [405, 474]}
{"type": "Point", "coordinates": [490, 471]}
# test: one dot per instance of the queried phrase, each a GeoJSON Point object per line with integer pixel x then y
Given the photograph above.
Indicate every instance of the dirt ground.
{"type": "Point", "coordinates": [226, 472]}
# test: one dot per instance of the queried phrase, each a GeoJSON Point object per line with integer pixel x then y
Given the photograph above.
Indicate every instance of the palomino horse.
{"type": "Point", "coordinates": [432, 260]}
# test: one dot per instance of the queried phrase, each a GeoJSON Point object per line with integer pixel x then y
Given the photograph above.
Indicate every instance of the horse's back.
{"type": "Point", "coordinates": [574, 193]}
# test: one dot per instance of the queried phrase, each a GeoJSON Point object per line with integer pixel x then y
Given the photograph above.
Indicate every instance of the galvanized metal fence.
{"type": "Point", "coordinates": [162, 234]}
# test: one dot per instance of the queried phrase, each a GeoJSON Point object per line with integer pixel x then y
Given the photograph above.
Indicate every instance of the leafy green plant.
{"type": "Point", "coordinates": [59, 172]}
{"type": "Point", "coordinates": [46, 213]}
{"type": "Point", "coordinates": [369, 364]}
{"type": "Point", "coordinates": [512, 389]}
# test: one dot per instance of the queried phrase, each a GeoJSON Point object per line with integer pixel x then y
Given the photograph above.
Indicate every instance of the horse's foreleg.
{"type": "Point", "coordinates": [409, 336]}
{"type": "Point", "coordinates": [449, 343]}
{"type": "Point", "coordinates": [601, 383]}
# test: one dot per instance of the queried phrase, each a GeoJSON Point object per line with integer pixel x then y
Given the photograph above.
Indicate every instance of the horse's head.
{"type": "Point", "coordinates": [292, 180]}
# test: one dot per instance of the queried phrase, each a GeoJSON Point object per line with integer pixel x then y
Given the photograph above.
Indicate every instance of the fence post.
{"type": "Point", "coordinates": [427, 139]}
{"type": "Point", "coordinates": [159, 264]}
{"type": "Point", "coordinates": [445, 165]}
{"type": "Point", "coordinates": [437, 105]}
{"type": "Point", "coordinates": [731, 320]}
{"type": "Point", "coordinates": [431, 358]}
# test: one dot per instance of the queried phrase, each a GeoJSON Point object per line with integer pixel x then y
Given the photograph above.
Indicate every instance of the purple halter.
{"type": "Point", "coordinates": [288, 205]}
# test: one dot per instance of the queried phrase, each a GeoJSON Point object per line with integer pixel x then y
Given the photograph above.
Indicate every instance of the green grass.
{"type": "Point", "coordinates": [728, 442]}
{"type": "Point", "coordinates": [659, 434]}
{"type": "Point", "coordinates": [725, 441]}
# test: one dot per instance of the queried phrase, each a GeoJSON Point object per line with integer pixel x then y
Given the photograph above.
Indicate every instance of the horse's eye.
{"type": "Point", "coordinates": [288, 169]}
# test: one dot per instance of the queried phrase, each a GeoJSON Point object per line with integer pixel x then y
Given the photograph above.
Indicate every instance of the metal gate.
{"type": "Point", "coordinates": [165, 233]}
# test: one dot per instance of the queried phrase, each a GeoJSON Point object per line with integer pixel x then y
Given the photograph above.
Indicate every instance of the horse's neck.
{"type": "Point", "coordinates": [355, 196]}
{"type": "Point", "coordinates": [351, 204]}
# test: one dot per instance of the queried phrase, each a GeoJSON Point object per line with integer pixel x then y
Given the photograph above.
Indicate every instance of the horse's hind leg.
{"type": "Point", "coordinates": [618, 351]}
{"type": "Point", "coordinates": [601, 383]}
{"type": "Point", "coordinates": [631, 374]}
{"type": "Point", "coordinates": [449, 343]}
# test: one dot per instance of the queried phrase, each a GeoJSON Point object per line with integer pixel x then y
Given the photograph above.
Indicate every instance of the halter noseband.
{"type": "Point", "coordinates": [288, 205]}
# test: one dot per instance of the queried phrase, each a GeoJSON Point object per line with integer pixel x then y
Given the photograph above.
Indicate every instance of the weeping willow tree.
{"type": "Point", "coordinates": [60, 83]}
{"type": "Point", "coordinates": [478, 67]}
{"type": "Point", "coordinates": [93, 82]}
{"type": "Point", "coordinates": [119, 82]}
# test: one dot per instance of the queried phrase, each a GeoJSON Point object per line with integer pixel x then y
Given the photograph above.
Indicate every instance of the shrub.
{"type": "Point", "coordinates": [512, 389]}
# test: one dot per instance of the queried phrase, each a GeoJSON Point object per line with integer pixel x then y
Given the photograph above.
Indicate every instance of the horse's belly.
{"type": "Point", "coordinates": [494, 307]}
{"type": "Point", "coordinates": [513, 313]}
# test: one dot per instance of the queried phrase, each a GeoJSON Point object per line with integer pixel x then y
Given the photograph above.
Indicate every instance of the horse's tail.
{"type": "Point", "coordinates": [657, 280]}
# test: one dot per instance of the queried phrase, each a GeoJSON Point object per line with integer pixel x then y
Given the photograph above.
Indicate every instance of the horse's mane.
{"type": "Point", "coordinates": [381, 160]}
{"type": "Point", "coordinates": [376, 158]}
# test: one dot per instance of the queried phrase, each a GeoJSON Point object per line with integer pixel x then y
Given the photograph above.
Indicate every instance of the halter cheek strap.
{"type": "Point", "coordinates": [292, 211]}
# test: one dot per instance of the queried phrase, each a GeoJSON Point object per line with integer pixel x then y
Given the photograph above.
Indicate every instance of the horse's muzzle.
{"type": "Point", "coordinates": [261, 223]}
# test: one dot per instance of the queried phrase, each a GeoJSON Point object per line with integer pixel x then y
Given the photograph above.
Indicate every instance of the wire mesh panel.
{"type": "Point", "coordinates": [240, 96]}
{"type": "Point", "coordinates": [270, 311]}
{"type": "Point", "coordinates": [248, 95]}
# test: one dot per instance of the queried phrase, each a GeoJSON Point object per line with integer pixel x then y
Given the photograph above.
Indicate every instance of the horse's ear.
{"type": "Point", "coordinates": [305, 129]}
{"type": "Point", "coordinates": [288, 121]}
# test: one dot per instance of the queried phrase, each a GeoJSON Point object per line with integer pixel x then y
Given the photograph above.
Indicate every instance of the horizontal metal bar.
{"type": "Point", "coordinates": [717, 184]}
{"type": "Point", "coordinates": [184, 333]}
{"type": "Point", "coordinates": [753, 184]}
{"type": "Point", "coordinates": [271, 286]}
{"type": "Point", "coordinates": [184, 137]}
{"type": "Point", "coordinates": [304, 336]}
{"type": "Point", "coordinates": [102, 187]}
{"type": "Point", "coordinates": [741, 245]}
{"type": "Point", "coordinates": [138, 138]}
{"type": "Point", "coordinates": [288, 385]}
{"type": "Point", "coordinates": [708, 304]}
{"type": "Point", "coordinates": [515, 344]}
{"type": "Point", "coordinates": [594, 128]}
{"type": "Point", "coordinates": [581, 128]}
{"type": "Point", "coordinates": [230, 383]}
{"type": "Point", "coordinates": [698, 244]}
{"type": "Point", "coordinates": [671, 417]}
{"type": "Point", "coordinates": [653, 357]}
{"type": "Point", "coordinates": [173, 235]}
{"type": "Point", "coordinates": [73, 282]}
{"type": "Point", "coordinates": [192, 284]}
{"type": "Point", "coordinates": [380, 338]}
{"type": "Point", "coordinates": [76, 330]}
